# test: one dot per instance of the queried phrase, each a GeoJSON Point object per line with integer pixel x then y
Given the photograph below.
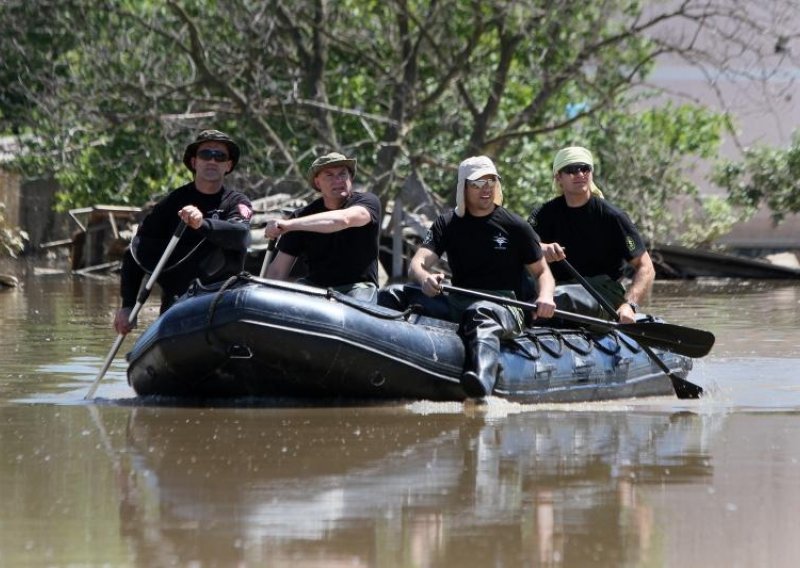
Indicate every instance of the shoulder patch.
{"type": "Point", "coordinates": [630, 243]}
{"type": "Point", "coordinates": [532, 217]}
{"type": "Point", "coordinates": [245, 211]}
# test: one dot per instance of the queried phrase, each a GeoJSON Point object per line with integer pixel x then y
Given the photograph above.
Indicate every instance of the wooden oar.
{"type": "Point", "coordinates": [144, 293]}
{"type": "Point", "coordinates": [683, 388]}
{"type": "Point", "coordinates": [684, 340]}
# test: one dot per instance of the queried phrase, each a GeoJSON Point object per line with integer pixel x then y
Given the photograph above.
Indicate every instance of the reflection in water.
{"type": "Point", "coordinates": [664, 482]}
{"type": "Point", "coordinates": [296, 485]}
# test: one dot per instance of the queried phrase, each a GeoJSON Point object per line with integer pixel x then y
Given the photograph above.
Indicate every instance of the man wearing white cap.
{"type": "Point", "coordinates": [596, 237]}
{"type": "Point", "coordinates": [488, 248]}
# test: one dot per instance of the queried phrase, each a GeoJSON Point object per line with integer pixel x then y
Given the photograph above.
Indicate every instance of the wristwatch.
{"type": "Point", "coordinates": [634, 306]}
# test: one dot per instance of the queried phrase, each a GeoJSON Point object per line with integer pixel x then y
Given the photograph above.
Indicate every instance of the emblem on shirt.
{"type": "Point", "coordinates": [428, 238]}
{"type": "Point", "coordinates": [500, 241]}
{"type": "Point", "coordinates": [630, 243]}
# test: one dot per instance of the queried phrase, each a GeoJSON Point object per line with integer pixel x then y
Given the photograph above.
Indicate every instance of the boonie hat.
{"type": "Point", "coordinates": [211, 136]}
{"type": "Point", "coordinates": [329, 160]}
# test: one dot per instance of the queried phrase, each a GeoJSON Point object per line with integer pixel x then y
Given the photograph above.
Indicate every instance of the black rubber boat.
{"type": "Point", "coordinates": [251, 337]}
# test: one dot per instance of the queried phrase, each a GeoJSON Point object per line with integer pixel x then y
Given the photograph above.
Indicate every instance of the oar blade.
{"type": "Point", "coordinates": [678, 339]}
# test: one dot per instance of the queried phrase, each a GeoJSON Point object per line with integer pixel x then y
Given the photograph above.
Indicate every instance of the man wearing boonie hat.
{"type": "Point", "coordinates": [596, 237]}
{"type": "Point", "coordinates": [336, 233]}
{"type": "Point", "coordinates": [488, 248]}
{"type": "Point", "coordinates": [218, 222]}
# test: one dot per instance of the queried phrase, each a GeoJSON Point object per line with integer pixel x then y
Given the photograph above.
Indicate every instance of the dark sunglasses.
{"type": "Point", "coordinates": [216, 155]}
{"type": "Point", "coordinates": [573, 169]}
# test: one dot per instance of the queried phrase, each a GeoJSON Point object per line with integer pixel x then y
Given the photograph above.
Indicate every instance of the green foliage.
{"type": "Point", "coordinates": [645, 161]}
{"type": "Point", "coordinates": [133, 168]}
{"type": "Point", "coordinates": [12, 240]}
{"type": "Point", "coordinates": [765, 177]}
{"type": "Point", "coordinates": [642, 160]}
{"type": "Point", "coordinates": [705, 224]}
{"type": "Point", "coordinates": [404, 86]}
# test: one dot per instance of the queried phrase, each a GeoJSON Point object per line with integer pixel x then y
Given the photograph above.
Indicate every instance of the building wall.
{"type": "Point", "coordinates": [758, 87]}
{"type": "Point", "coordinates": [10, 196]}
{"type": "Point", "coordinates": [29, 206]}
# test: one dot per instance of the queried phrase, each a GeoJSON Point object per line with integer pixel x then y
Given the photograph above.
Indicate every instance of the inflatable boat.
{"type": "Point", "coordinates": [252, 337]}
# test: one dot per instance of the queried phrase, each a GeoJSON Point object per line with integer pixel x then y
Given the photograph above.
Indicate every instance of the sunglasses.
{"type": "Point", "coordinates": [573, 169]}
{"type": "Point", "coordinates": [216, 155]}
{"type": "Point", "coordinates": [481, 183]}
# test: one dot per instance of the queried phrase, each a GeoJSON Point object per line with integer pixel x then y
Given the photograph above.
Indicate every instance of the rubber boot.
{"type": "Point", "coordinates": [479, 380]}
{"type": "Point", "coordinates": [483, 326]}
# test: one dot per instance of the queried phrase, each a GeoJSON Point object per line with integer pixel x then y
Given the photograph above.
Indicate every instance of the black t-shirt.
{"type": "Point", "coordinates": [213, 252]}
{"type": "Point", "coordinates": [486, 253]}
{"type": "Point", "coordinates": [344, 257]}
{"type": "Point", "coordinates": [598, 237]}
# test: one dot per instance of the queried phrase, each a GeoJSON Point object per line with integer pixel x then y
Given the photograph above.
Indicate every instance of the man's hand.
{"type": "Point", "coordinates": [553, 252]}
{"type": "Point", "coordinates": [192, 216]}
{"type": "Point", "coordinates": [432, 284]}
{"type": "Point", "coordinates": [121, 324]}
{"type": "Point", "coordinates": [626, 313]}
{"type": "Point", "coordinates": [545, 307]}
{"type": "Point", "coordinates": [275, 228]}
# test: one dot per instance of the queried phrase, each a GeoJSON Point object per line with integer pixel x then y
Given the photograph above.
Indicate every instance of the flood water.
{"type": "Point", "coordinates": [659, 482]}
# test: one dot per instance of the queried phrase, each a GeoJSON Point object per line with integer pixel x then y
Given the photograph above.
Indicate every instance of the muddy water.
{"type": "Point", "coordinates": [663, 482]}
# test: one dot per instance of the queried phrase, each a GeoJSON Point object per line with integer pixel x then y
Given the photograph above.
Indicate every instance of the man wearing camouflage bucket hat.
{"type": "Point", "coordinates": [218, 228]}
{"type": "Point", "coordinates": [337, 233]}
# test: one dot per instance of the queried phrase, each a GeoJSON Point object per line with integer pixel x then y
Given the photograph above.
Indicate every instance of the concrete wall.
{"type": "Point", "coordinates": [29, 206]}
{"type": "Point", "coordinates": [10, 196]}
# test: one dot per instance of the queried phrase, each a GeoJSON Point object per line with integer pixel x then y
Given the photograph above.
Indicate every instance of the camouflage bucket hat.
{"type": "Point", "coordinates": [328, 160]}
{"type": "Point", "coordinates": [211, 136]}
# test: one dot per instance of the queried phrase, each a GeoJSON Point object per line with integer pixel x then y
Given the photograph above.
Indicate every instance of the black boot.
{"type": "Point", "coordinates": [483, 325]}
{"type": "Point", "coordinates": [478, 382]}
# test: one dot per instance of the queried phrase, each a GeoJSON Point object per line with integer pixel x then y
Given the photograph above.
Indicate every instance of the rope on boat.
{"type": "Point", "coordinates": [573, 344]}
{"type": "Point", "coordinates": [218, 296]}
{"type": "Point", "coordinates": [609, 350]}
{"type": "Point", "coordinates": [376, 311]}
{"type": "Point", "coordinates": [212, 308]}
{"type": "Point", "coordinates": [538, 337]}
{"type": "Point", "coordinates": [534, 336]}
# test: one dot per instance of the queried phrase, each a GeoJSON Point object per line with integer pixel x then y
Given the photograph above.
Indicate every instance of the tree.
{"type": "Point", "coordinates": [405, 85]}
{"type": "Point", "coordinates": [765, 177]}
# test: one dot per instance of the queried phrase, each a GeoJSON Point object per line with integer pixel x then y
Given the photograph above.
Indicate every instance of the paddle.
{"type": "Point", "coordinates": [683, 388]}
{"type": "Point", "coordinates": [683, 340]}
{"type": "Point", "coordinates": [144, 293]}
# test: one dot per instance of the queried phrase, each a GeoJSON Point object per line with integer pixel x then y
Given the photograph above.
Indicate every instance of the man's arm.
{"type": "Point", "coordinates": [545, 305]}
{"type": "Point", "coordinates": [281, 266]}
{"type": "Point", "coordinates": [325, 222]}
{"type": "Point", "coordinates": [643, 276]}
{"type": "Point", "coordinates": [419, 270]}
